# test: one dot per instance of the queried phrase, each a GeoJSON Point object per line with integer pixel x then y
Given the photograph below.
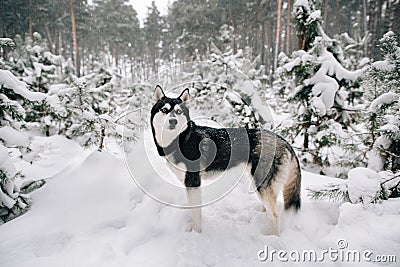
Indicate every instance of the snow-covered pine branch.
{"type": "Point", "coordinates": [363, 186]}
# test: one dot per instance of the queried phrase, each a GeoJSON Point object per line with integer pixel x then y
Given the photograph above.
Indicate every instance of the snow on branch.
{"type": "Point", "coordinates": [7, 42]}
{"type": "Point", "coordinates": [384, 99]}
{"type": "Point", "coordinates": [9, 81]}
{"type": "Point", "coordinates": [364, 185]}
{"type": "Point", "coordinates": [325, 86]}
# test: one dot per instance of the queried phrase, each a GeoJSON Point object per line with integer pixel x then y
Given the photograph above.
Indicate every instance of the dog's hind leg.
{"type": "Point", "coordinates": [292, 188]}
{"type": "Point", "coordinates": [268, 198]}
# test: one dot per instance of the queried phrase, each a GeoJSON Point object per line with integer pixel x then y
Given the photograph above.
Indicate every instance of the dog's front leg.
{"type": "Point", "coordinates": [192, 183]}
{"type": "Point", "coordinates": [194, 197]}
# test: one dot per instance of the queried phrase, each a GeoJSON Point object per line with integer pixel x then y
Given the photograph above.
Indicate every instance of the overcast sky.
{"type": "Point", "coordinates": [141, 7]}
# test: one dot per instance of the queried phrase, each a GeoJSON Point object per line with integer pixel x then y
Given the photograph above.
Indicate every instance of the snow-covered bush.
{"type": "Point", "coordinates": [87, 110]}
{"type": "Point", "coordinates": [34, 64]}
{"type": "Point", "coordinates": [13, 198]}
{"type": "Point", "coordinates": [382, 85]}
{"type": "Point", "coordinates": [241, 79]}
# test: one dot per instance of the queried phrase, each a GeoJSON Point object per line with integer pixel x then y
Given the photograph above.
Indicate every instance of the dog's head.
{"type": "Point", "coordinates": [169, 116]}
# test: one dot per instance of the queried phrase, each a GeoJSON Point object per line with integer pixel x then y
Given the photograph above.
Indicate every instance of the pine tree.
{"type": "Point", "coordinates": [39, 69]}
{"type": "Point", "coordinates": [319, 88]}
{"type": "Point", "coordinates": [13, 198]}
{"type": "Point", "coordinates": [241, 80]}
{"type": "Point", "coordinates": [382, 84]}
{"type": "Point", "coordinates": [90, 109]}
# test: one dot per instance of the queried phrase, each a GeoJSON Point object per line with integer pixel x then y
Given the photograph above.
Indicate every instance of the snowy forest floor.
{"type": "Point", "coordinates": [91, 213]}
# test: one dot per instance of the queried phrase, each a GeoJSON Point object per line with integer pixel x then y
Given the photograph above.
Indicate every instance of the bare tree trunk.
{"type": "Point", "coordinates": [116, 54]}
{"type": "Point", "coordinates": [379, 24]}
{"type": "Point", "coordinates": [396, 20]}
{"type": "Point", "coordinates": [306, 138]}
{"type": "Point", "coordinates": [103, 135]}
{"type": "Point", "coordinates": [288, 28]}
{"type": "Point", "coordinates": [270, 45]}
{"type": "Point", "coordinates": [371, 21]}
{"type": "Point", "coordinates": [263, 42]}
{"type": "Point", "coordinates": [255, 37]}
{"type": "Point", "coordinates": [326, 9]}
{"type": "Point", "coordinates": [337, 22]}
{"type": "Point", "coordinates": [244, 33]}
{"type": "Point", "coordinates": [233, 21]}
{"type": "Point", "coordinates": [82, 62]}
{"type": "Point", "coordinates": [389, 14]}
{"type": "Point", "coordinates": [49, 38]}
{"type": "Point", "coordinates": [278, 33]}
{"type": "Point", "coordinates": [62, 50]}
{"type": "Point", "coordinates": [77, 60]}
{"type": "Point", "coordinates": [30, 19]}
{"type": "Point", "coordinates": [365, 16]}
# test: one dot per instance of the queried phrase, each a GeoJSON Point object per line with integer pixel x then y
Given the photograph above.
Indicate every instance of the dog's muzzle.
{"type": "Point", "coordinates": [172, 123]}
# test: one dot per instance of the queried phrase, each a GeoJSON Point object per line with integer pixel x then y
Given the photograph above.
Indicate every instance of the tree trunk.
{"type": "Point", "coordinates": [288, 28]}
{"type": "Point", "coordinates": [103, 134]}
{"type": "Point", "coordinates": [263, 42]}
{"type": "Point", "coordinates": [278, 33]}
{"type": "Point", "coordinates": [326, 9]}
{"type": "Point", "coordinates": [256, 32]}
{"type": "Point", "coordinates": [233, 21]}
{"type": "Point", "coordinates": [396, 20]}
{"type": "Point", "coordinates": [49, 38]}
{"type": "Point", "coordinates": [306, 138]}
{"type": "Point", "coordinates": [379, 24]}
{"type": "Point", "coordinates": [116, 55]}
{"type": "Point", "coordinates": [30, 19]}
{"type": "Point", "coordinates": [77, 59]}
{"type": "Point", "coordinates": [365, 25]}
{"type": "Point", "coordinates": [337, 22]}
{"type": "Point", "coordinates": [371, 27]}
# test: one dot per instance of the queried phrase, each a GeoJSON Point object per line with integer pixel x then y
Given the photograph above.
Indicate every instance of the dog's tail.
{"type": "Point", "coordinates": [292, 188]}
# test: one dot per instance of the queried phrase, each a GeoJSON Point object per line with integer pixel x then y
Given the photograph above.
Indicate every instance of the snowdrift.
{"type": "Point", "coordinates": [93, 214]}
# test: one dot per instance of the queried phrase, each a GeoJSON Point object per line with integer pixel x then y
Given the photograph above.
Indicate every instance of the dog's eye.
{"type": "Point", "coordinates": [178, 111]}
{"type": "Point", "coordinates": [164, 110]}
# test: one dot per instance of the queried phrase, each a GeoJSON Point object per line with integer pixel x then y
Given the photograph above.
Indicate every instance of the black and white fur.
{"type": "Point", "coordinates": [192, 151]}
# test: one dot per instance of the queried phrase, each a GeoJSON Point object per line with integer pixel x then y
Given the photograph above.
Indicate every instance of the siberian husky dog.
{"type": "Point", "coordinates": [198, 150]}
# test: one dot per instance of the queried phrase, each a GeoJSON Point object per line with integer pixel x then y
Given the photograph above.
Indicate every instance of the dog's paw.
{"type": "Point", "coordinates": [270, 229]}
{"type": "Point", "coordinates": [196, 228]}
{"type": "Point", "coordinates": [190, 227]}
{"type": "Point", "coordinates": [260, 208]}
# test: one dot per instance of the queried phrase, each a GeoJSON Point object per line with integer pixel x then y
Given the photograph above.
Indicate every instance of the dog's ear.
{"type": "Point", "coordinates": [158, 94]}
{"type": "Point", "coordinates": [185, 96]}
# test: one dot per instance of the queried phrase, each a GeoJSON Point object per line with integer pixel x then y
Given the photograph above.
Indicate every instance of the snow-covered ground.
{"type": "Point", "coordinates": [91, 213]}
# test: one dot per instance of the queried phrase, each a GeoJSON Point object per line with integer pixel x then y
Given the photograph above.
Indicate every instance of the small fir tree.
{"type": "Point", "coordinates": [13, 198]}
{"type": "Point", "coordinates": [382, 84]}
{"type": "Point", "coordinates": [319, 89]}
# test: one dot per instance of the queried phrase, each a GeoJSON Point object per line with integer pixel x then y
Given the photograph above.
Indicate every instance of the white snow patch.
{"type": "Point", "coordinates": [12, 137]}
{"type": "Point", "coordinates": [93, 214]}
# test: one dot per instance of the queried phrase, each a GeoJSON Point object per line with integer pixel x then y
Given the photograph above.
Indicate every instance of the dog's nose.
{"type": "Point", "coordinates": [173, 121]}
